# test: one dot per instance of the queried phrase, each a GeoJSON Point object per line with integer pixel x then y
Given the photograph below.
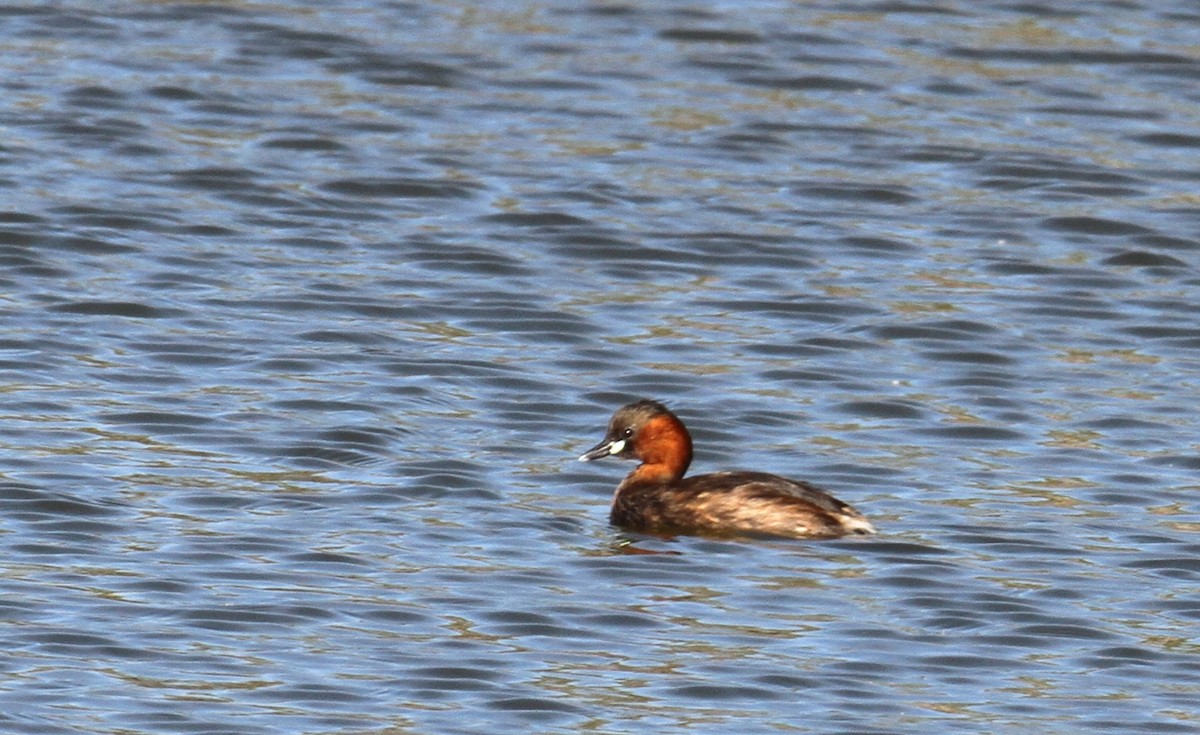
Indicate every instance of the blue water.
{"type": "Point", "coordinates": [308, 309]}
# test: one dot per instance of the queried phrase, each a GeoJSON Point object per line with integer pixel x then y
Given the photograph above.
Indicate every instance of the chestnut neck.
{"type": "Point", "coordinates": [665, 449]}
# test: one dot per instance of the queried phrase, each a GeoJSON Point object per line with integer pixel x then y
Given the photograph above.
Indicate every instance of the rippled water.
{"type": "Point", "coordinates": [309, 308]}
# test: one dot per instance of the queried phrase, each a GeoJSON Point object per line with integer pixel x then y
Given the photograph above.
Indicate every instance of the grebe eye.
{"type": "Point", "coordinates": [627, 432]}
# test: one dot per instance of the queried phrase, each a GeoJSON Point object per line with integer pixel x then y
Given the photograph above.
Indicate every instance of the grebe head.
{"type": "Point", "coordinates": [647, 431]}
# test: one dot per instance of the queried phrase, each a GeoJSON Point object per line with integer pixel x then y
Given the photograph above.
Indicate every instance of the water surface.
{"type": "Point", "coordinates": [309, 308]}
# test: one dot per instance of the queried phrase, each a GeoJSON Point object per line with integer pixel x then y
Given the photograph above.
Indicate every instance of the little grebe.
{"type": "Point", "coordinates": [656, 497]}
